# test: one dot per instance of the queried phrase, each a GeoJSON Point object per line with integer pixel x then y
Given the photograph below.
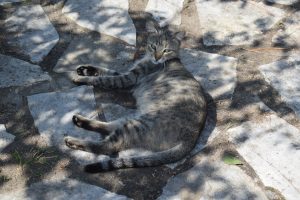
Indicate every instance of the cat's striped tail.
{"type": "Point", "coordinates": [158, 158]}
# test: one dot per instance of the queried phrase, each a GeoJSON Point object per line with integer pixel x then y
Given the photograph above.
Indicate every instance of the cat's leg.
{"type": "Point", "coordinates": [99, 147]}
{"type": "Point", "coordinates": [111, 144]}
{"type": "Point", "coordinates": [118, 140]}
{"type": "Point", "coordinates": [88, 70]}
{"type": "Point", "coordinates": [121, 81]}
{"type": "Point", "coordinates": [104, 128]}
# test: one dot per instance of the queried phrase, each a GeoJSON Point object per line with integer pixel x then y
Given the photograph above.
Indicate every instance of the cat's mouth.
{"type": "Point", "coordinates": [160, 61]}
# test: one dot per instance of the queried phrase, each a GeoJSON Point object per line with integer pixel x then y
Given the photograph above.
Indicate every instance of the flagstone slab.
{"type": "Point", "coordinates": [29, 29]}
{"type": "Point", "coordinates": [283, 75]}
{"type": "Point", "coordinates": [61, 189]}
{"type": "Point", "coordinates": [5, 2]}
{"type": "Point", "coordinates": [105, 16]}
{"type": "Point", "coordinates": [52, 113]}
{"type": "Point", "coordinates": [235, 22]}
{"type": "Point", "coordinates": [212, 179]}
{"type": "Point", "coordinates": [290, 35]}
{"type": "Point", "coordinates": [101, 52]}
{"type": "Point", "coordinates": [15, 72]}
{"type": "Point", "coordinates": [284, 2]}
{"type": "Point", "coordinates": [216, 73]}
{"type": "Point", "coordinates": [5, 137]}
{"type": "Point", "coordinates": [272, 148]}
{"type": "Point", "coordinates": [166, 11]}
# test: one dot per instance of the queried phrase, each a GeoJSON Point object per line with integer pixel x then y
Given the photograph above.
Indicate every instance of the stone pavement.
{"type": "Point", "coordinates": [245, 54]}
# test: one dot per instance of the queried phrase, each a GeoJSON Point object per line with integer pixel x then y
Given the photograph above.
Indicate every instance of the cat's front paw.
{"type": "Point", "coordinates": [77, 120]}
{"type": "Point", "coordinates": [87, 71]}
{"type": "Point", "coordinates": [79, 80]}
{"type": "Point", "coordinates": [74, 143]}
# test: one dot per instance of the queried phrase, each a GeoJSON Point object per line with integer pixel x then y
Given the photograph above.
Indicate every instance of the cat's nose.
{"type": "Point", "coordinates": [157, 56]}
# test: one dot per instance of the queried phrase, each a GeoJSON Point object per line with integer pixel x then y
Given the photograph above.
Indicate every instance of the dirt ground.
{"type": "Point", "coordinates": [28, 159]}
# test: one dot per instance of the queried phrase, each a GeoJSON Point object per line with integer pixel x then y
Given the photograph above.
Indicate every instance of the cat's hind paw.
{"type": "Point", "coordinates": [74, 143]}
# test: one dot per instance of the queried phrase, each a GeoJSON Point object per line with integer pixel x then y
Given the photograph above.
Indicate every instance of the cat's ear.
{"type": "Point", "coordinates": [151, 27]}
{"type": "Point", "coordinates": [179, 35]}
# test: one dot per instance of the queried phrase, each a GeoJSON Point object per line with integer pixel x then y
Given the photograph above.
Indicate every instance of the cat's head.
{"type": "Point", "coordinates": [162, 44]}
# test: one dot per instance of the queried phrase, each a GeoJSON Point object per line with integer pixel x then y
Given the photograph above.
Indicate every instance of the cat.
{"type": "Point", "coordinates": [170, 107]}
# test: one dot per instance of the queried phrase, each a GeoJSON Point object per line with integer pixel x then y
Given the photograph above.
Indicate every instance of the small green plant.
{"type": "Point", "coordinates": [34, 156]}
{"type": "Point", "coordinates": [231, 159]}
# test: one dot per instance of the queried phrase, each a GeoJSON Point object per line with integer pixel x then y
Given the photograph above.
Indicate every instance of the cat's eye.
{"type": "Point", "coordinates": [166, 50]}
{"type": "Point", "coordinates": [153, 46]}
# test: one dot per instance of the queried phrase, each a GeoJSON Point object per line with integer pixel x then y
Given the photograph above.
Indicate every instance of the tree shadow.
{"type": "Point", "coordinates": [80, 41]}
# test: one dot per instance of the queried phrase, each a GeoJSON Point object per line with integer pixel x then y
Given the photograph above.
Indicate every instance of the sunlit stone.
{"type": "Point", "coordinates": [15, 72]}
{"type": "Point", "coordinates": [5, 137]}
{"type": "Point", "coordinates": [105, 16]}
{"type": "Point", "coordinates": [271, 147]}
{"type": "Point", "coordinates": [235, 22]}
{"type": "Point", "coordinates": [52, 113]}
{"type": "Point", "coordinates": [166, 11]}
{"type": "Point", "coordinates": [284, 75]}
{"type": "Point", "coordinates": [62, 188]}
{"type": "Point", "coordinates": [30, 30]}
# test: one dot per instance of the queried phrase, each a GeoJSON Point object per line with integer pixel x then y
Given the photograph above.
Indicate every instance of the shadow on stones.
{"type": "Point", "coordinates": [129, 182]}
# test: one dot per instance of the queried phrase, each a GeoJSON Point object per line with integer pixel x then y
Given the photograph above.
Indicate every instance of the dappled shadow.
{"type": "Point", "coordinates": [109, 18]}
{"type": "Point", "coordinates": [278, 137]}
{"type": "Point", "coordinates": [211, 178]}
{"type": "Point", "coordinates": [78, 46]}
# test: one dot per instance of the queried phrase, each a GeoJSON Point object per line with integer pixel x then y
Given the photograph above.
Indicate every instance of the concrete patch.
{"type": "Point", "coordinates": [235, 22]}
{"type": "Point", "coordinates": [212, 179]}
{"type": "Point", "coordinates": [102, 52]}
{"type": "Point", "coordinates": [216, 73]}
{"type": "Point", "coordinates": [29, 29]}
{"type": "Point", "coordinates": [104, 16]}
{"type": "Point", "coordinates": [290, 35]}
{"type": "Point", "coordinates": [283, 75]}
{"type": "Point", "coordinates": [284, 2]}
{"type": "Point", "coordinates": [166, 11]}
{"type": "Point", "coordinates": [15, 72]}
{"type": "Point", "coordinates": [271, 147]}
{"type": "Point", "coordinates": [5, 137]}
{"type": "Point", "coordinates": [62, 189]}
{"type": "Point", "coordinates": [52, 113]}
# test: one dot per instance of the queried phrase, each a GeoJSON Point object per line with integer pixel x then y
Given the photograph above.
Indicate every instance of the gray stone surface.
{"type": "Point", "coordinates": [272, 148]}
{"type": "Point", "coordinates": [212, 179]}
{"type": "Point", "coordinates": [5, 137]}
{"type": "Point", "coordinates": [166, 11]}
{"type": "Point", "coordinates": [216, 73]}
{"type": "Point", "coordinates": [284, 2]}
{"type": "Point", "coordinates": [105, 16]}
{"type": "Point", "coordinates": [52, 113]}
{"type": "Point", "coordinates": [283, 75]}
{"type": "Point", "coordinates": [30, 30]}
{"type": "Point", "coordinates": [4, 2]}
{"type": "Point", "coordinates": [290, 35]}
{"type": "Point", "coordinates": [235, 22]}
{"type": "Point", "coordinates": [97, 52]}
{"type": "Point", "coordinates": [15, 72]}
{"type": "Point", "coordinates": [62, 189]}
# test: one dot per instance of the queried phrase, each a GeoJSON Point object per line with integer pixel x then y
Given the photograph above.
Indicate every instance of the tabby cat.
{"type": "Point", "coordinates": [171, 108]}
